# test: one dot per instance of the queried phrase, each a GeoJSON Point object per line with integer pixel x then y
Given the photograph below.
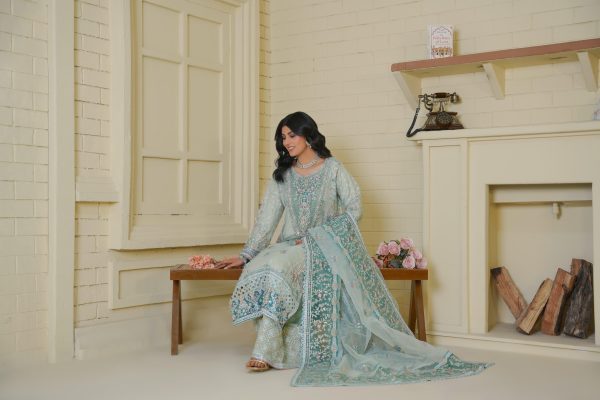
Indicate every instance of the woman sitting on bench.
{"type": "Point", "coordinates": [318, 300]}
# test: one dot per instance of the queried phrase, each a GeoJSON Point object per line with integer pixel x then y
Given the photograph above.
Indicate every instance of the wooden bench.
{"type": "Point", "coordinates": [183, 272]}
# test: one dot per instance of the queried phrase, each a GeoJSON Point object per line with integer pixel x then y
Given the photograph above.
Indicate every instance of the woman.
{"type": "Point", "coordinates": [319, 302]}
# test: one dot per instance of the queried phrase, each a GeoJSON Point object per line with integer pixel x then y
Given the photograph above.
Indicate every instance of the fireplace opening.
{"type": "Point", "coordinates": [533, 230]}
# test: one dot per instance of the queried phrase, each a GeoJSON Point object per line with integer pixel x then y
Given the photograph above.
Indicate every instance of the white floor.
{"type": "Point", "coordinates": [214, 370]}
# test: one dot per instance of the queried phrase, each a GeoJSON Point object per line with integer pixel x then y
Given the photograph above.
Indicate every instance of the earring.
{"type": "Point", "coordinates": [309, 145]}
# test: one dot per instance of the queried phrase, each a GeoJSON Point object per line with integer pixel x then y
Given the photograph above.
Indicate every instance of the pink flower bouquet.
{"type": "Point", "coordinates": [203, 261]}
{"type": "Point", "coordinates": [399, 254]}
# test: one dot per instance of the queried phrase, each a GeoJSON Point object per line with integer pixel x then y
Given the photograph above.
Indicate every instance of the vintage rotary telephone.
{"type": "Point", "coordinates": [436, 120]}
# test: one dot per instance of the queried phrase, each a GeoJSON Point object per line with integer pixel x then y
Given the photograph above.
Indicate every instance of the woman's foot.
{"type": "Point", "coordinates": [255, 365]}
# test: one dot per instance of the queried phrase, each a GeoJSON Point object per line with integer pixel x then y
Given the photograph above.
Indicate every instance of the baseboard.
{"type": "Point", "coordinates": [494, 344]}
{"type": "Point", "coordinates": [113, 338]}
{"type": "Point", "coordinates": [203, 319]}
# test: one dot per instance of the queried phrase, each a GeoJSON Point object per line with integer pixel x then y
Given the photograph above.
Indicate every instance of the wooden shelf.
{"type": "Point", "coordinates": [587, 52]}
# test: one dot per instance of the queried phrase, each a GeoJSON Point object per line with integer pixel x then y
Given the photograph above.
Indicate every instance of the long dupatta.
{"type": "Point", "coordinates": [353, 333]}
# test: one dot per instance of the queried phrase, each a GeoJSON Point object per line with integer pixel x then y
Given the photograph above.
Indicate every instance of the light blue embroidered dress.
{"type": "Point", "coordinates": [323, 306]}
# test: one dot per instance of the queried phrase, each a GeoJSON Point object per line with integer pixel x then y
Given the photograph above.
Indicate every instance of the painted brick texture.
{"type": "Point", "coordinates": [23, 180]}
{"type": "Point", "coordinates": [92, 89]}
{"type": "Point", "coordinates": [266, 144]}
{"type": "Point", "coordinates": [91, 259]}
{"type": "Point", "coordinates": [92, 144]}
{"type": "Point", "coordinates": [332, 59]}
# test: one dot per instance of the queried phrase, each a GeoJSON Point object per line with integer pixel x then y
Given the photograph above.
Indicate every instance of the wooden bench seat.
{"type": "Point", "coordinates": [183, 272]}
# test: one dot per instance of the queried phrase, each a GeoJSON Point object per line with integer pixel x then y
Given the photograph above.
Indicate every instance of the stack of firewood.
{"type": "Point", "coordinates": [563, 305]}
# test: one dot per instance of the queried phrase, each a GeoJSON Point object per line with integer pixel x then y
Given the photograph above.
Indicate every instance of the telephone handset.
{"type": "Point", "coordinates": [439, 119]}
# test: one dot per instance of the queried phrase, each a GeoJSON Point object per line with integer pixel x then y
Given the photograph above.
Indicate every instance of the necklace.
{"type": "Point", "coordinates": [308, 164]}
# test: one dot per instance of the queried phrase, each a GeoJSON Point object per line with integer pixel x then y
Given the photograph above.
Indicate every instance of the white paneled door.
{"type": "Point", "coordinates": [183, 65]}
{"type": "Point", "coordinates": [192, 151]}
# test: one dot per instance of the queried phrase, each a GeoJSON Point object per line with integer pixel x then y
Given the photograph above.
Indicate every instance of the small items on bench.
{"type": "Point", "coordinates": [182, 272]}
{"type": "Point", "coordinates": [202, 261]}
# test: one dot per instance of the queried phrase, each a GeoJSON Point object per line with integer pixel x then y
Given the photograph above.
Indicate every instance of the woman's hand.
{"type": "Point", "coordinates": [228, 263]}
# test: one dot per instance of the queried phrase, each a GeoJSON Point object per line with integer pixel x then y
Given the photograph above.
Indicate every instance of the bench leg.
{"type": "Point", "coordinates": [420, 310]}
{"type": "Point", "coordinates": [176, 318]}
{"type": "Point", "coordinates": [180, 319]}
{"type": "Point", "coordinates": [412, 316]}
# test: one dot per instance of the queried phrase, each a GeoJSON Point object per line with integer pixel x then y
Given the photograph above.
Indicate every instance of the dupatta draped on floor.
{"type": "Point", "coordinates": [352, 331]}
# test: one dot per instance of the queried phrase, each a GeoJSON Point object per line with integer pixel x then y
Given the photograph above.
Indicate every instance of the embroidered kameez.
{"type": "Point", "coordinates": [322, 306]}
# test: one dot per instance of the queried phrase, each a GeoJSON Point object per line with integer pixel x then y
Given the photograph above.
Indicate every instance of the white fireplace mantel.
{"type": "Point", "coordinates": [460, 167]}
{"type": "Point", "coordinates": [572, 128]}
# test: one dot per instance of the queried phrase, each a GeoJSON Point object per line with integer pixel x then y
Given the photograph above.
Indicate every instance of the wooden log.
{"type": "Point", "coordinates": [509, 292]}
{"type": "Point", "coordinates": [554, 312]}
{"type": "Point", "coordinates": [579, 312]}
{"type": "Point", "coordinates": [528, 321]}
{"type": "Point", "coordinates": [576, 264]}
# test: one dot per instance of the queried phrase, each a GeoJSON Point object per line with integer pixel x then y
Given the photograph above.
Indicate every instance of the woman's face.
{"type": "Point", "coordinates": [295, 144]}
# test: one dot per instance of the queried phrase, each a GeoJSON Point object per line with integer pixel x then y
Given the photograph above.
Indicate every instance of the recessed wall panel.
{"type": "Point", "coordinates": [143, 282]}
{"type": "Point", "coordinates": [447, 280]}
{"type": "Point", "coordinates": [205, 40]}
{"type": "Point", "coordinates": [160, 181]}
{"type": "Point", "coordinates": [204, 182]}
{"type": "Point", "coordinates": [205, 128]}
{"type": "Point", "coordinates": [164, 40]}
{"type": "Point", "coordinates": [160, 109]}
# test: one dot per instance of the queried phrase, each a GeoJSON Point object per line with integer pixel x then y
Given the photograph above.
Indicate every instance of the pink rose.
{"type": "Point", "coordinates": [417, 254]}
{"type": "Point", "coordinates": [422, 263]}
{"type": "Point", "coordinates": [378, 262]}
{"type": "Point", "coordinates": [203, 261]}
{"type": "Point", "coordinates": [383, 250]}
{"type": "Point", "coordinates": [406, 244]}
{"type": "Point", "coordinates": [408, 262]}
{"type": "Point", "coordinates": [393, 248]}
{"type": "Point", "coordinates": [195, 260]}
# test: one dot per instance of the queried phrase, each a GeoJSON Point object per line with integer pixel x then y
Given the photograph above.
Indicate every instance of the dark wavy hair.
{"type": "Point", "coordinates": [301, 124]}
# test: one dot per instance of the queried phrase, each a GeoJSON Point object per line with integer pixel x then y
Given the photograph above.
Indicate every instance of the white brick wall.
{"type": "Point", "coordinates": [91, 88]}
{"type": "Point", "coordinates": [23, 179]}
{"type": "Point", "coordinates": [266, 144]}
{"type": "Point", "coordinates": [92, 136]}
{"type": "Point", "coordinates": [91, 260]}
{"type": "Point", "coordinates": [332, 59]}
